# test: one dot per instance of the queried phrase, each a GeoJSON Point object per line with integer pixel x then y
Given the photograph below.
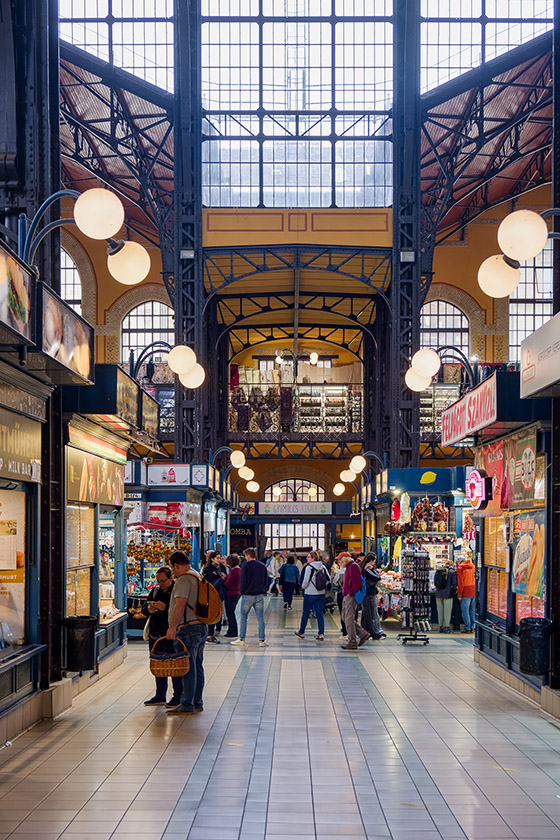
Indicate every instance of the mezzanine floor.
{"type": "Point", "coordinates": [300, 740]}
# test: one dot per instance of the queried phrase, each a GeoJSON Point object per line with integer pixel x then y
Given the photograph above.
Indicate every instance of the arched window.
{"type": "Point", "coordinates": [294, 490]}
{"type": "Point", "coordinates": [70, 283]}
{"type": "Point", "coordinates": [531, 303]}
{"type": "Point", "coordinates": [442, 324]}
{"type": "Point", "coordinates": [148, 322]}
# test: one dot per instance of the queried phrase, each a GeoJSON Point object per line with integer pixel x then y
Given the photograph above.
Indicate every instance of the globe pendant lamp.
{"type": "Point", "coordinates": [415, 382]}
{"type": "Point", "coordinates": [338, 489]}
{"type": "Point", "coordinates": [253, 486]}
{"type": "Point", "coordinates": [522, 235]}
{"type": "Point", "coordinates": [246, 473]}
{"type": "Point", "coordinates": [313, 358]}
{"type": "Point", "coordinates": [181, 360]}
{"type": "Point", "coordinates": [347, 475]}
{"type": "Point", "coordinates": [312, 492]}
{"type": "Point", "coordinates": [358, 464]}
{"type": "Point", "coordinates": [277, 492]}
{"type": "Point", "coordinates": [426, 362]}
{"type": "Point", "coordinates": [237, 457]}
{"type": "Point", "coordinates": [194, 378]}
{"type": "Point", "coordinates": [99, 213]}
{"type": "Point", "coordinates": [129, 264]}
{"type": "Point", "coordinates": [498, 276]}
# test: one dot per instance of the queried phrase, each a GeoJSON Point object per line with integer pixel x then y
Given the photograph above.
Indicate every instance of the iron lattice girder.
{"type": "Point", "coordinates": [298, 446]}
{"type": "Point", "coordinates": [247, 263]}
{"type": "Point", "coordinates": [464, 136]}
{"type": "Point", "coordinates": [350, 339]}
{"type": "Point", "coordinates": [139, 141]}
{"type": "Point", "coordinates": [235, 310]}
{"type": "Point", "coordinates": [434, 451]}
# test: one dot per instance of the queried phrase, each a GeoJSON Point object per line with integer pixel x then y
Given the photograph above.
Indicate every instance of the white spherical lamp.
{"type": "Point", "coordinates": [130, 264]}
{"type": "Point", "coordinates": [358, 464]}
{"type": "Point", "coordinates": [277, 492]}
{"type": "Point", "coordinates": [313, 358]}
{"type": "Point", "coordinates": [181, 359]}
{"type": "Point", "coordinates": [347, 475]}
{"type": "Point", "coordinates": [522, 235]}
{"type": "Point", "coordinates": [498, 278]}
{"type": "Point", "coordinates": [426, 362]}
{"type": "Point", "coordinates": [338, 489]}
{"type": "Point", "coordinates": [415, 382]}
{"type": "Point", "coordinates": [246, 473]}
{"type": "Point", "coordinates": [99, 213]}
{"type": "Point", "coordinates": [312, 492]}
{"type": "Point", "coordinates": [237, 457]}
{"type": "Point", "coordinates": [253, 486]}
{"type": "Point", "coordinates": [194, 378]}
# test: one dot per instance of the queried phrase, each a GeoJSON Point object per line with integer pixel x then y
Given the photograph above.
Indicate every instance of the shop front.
{"type": "Point", "coordinates": [507, 492]}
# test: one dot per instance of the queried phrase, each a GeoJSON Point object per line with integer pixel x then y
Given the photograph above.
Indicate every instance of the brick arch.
{"type": "Point", "coordinates": [143, 293]}
{"type": "Point", "coordinates": [81, 259]}
{"type": "Point", "coordinates": [294, 470]}
{"type": "Point", "coordinates": [479, 329]}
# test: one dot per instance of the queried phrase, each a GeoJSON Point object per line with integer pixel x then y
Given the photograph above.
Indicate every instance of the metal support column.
{"type": "Point", "coordinates": [554, 540]}
{"type": "Point", "coordinates": [406, 267]}
{"type": "Point", "coordinates": [191, 430]}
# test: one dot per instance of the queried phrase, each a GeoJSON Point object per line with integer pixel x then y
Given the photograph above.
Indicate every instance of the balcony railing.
{"type": "Point", "coordinates": [320, 409]}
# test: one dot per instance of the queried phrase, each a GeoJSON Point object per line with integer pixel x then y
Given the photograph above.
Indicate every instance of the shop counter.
{"type": "Point", "coordinates": [110, 636]}
{"type": "Point", "coordinates": [19, 674]}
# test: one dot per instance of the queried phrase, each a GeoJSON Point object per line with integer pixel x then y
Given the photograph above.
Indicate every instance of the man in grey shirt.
{"type": "Point", "coordinates": [184, 625]}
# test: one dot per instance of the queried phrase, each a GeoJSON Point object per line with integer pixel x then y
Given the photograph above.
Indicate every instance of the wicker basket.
{"type": "Point", "coordinates": [169, 664]}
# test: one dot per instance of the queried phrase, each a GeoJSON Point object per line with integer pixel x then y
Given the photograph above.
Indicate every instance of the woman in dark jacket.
{"type": "Point", "coordinates": [370, 613]}
{"type": "Point", "coordinates": [231, 586]}
{"type": "Point", "coordinates": [156, 609]}
{"type": "Point", "coordinates": [212, 572]}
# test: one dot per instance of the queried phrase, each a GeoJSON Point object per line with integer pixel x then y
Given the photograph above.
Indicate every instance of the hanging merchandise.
{"type": "Point", "coordinates": [415, 598]}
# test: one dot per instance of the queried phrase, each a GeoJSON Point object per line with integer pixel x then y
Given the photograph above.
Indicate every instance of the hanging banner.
{"type": "Point", "coordinates": [529, 539]}
{"type": "Point", "coordinates": [476, 410]}
{"type": "Point", "coordinates": [525, 469]}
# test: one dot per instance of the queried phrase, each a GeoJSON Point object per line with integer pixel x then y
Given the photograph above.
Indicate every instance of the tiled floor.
{"type": "Point", "coordinates": [299, 740]}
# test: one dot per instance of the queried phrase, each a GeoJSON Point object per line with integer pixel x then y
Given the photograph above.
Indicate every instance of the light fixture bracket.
{"type": "Point", "coordinates": [115, 245]}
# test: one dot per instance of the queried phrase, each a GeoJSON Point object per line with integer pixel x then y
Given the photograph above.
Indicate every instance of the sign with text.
{"type": "Point", "coordinates": [474, 411]}
{"type": "Point", "coordinates": [169, 475]}
{"type": "Point", "coordinates": [20, 447]}
{"type": "Point", "coordinates": [540, 360]}
{"type": "Point", "coordinates": [525, 469]}
{"type": "Point", "coordinates": [490, 460]}
{"type": "Point", "coordinates": [90, 478]}
{"type": "Point", "coordinates": [295, 508]}
{"type": "Point", "coordinates": [478, 489]}
{"type": "Point", "coordinates": [529, 537]}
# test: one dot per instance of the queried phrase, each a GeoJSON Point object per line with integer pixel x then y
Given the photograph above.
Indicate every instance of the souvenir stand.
{"type": "Point", "coordinates": [165, 506]}
{"type": "Point", "coordinates": [507, 523]}
{"type": "Point", "coordinates": [415, 597]}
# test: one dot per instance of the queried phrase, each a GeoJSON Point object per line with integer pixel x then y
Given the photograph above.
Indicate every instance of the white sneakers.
{"type": "Point", "coordinates": [241, 643]}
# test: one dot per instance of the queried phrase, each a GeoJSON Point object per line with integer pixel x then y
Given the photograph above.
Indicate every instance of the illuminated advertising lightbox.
{"type": "Point", "coordinates": [478, 489]}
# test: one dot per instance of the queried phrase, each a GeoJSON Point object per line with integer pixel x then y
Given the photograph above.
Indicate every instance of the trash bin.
{"type": "Point", "coordinates": [80, 642]}
{"type": "Point", "coordinates": [534, 645]}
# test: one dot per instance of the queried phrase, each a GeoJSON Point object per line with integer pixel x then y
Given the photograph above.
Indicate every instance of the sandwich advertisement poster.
{"type": "Point", "coordinates": [15, 295]}
{"type": "Point", "coordinates": [529, 540]}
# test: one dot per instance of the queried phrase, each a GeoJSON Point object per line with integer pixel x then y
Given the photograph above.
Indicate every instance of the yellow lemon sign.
{"type": "Point", "coordinates": [428, 478]}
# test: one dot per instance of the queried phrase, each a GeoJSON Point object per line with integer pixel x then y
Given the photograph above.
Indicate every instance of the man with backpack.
{"type": "Point", "coordinates": [184, 626]}
{"type": "Point", "coordinates": [314, 580]}
{"type": "Point", "coordinates": [353, 593]}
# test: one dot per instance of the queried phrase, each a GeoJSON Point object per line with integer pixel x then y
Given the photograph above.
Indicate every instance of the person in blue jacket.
{"type": "Point", "coordinates": [289, 578]}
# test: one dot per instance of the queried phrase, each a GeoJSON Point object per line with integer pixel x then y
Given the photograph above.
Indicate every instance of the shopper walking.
{"type": "Point", "coordinates": [231, 584]}
{"type": "Point", "coordinates": [445, 583]}
{"type": "Point", "coordinates": [185, 627]}
{"type": "Point", "coordinates": [212, 572]}
{"type": "Point", "coordinates": [351, 586]}
{"type": "Point", "coordinates": [337, 572]}
{"type": "Point", "coordinates": [156, 609]}
{"type": "Point", "coordinates": [254, 583]}
{"type": "Point", "coordinates": [288, 580]}
{"type": "Point", "coordinates": [314, 582]}
{"type": "Point", "coordinates": [466, 591]}
{"type": "Point", "coordinates": [370, 612]}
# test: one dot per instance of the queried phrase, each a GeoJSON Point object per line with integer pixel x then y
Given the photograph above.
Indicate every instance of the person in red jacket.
{"type": "Point", "coordinates": [466, 591]}
{"type": "Point", "coordinates": [352, 583]}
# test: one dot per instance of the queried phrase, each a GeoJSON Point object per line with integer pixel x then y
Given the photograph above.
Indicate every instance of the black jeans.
{"type": "Point", "coordinates": [231, 603]}
{"type": "Point", "coordinates": [370, 615]}
{"type": "Point", "coordinates": [288, 592]}
{"type": "Point", "coordinates": [161, 682]}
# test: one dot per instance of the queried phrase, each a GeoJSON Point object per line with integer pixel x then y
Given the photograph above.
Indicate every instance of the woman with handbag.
{"type": "Point", "coordinates": [156, 609]}
{"type": "Point", "coordinates": [370, 612]}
